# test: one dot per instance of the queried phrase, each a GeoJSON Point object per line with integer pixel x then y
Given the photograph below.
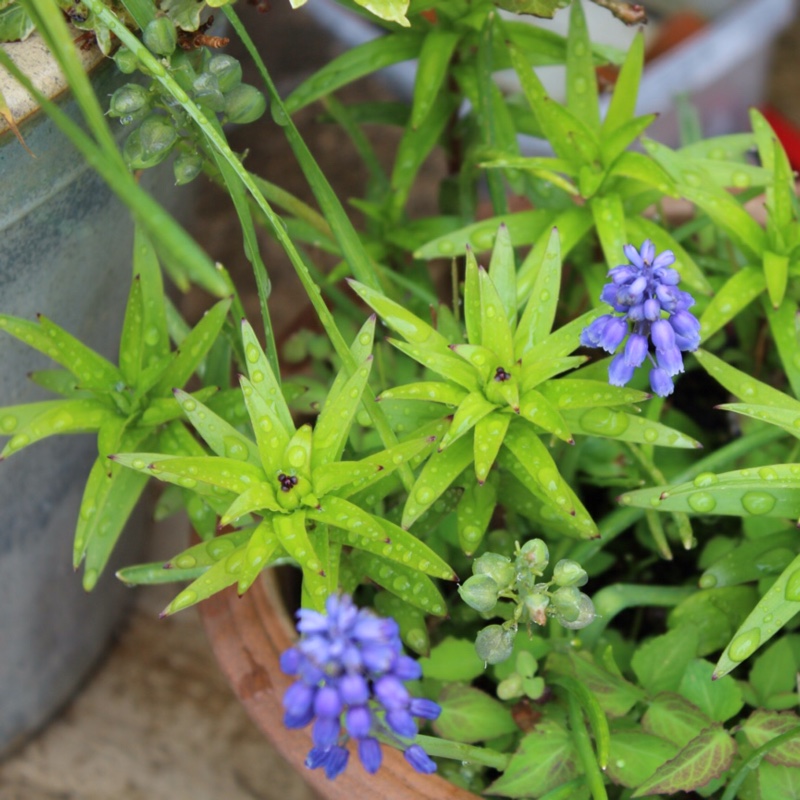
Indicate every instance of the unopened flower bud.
{"type": "Point", "coordinates": [227, 70]}
{"type": "Point", "coordinates": [536, 604]}
{"type": "Point", "coordinates": [569, 573]}
{"type": "Point", "coordinates": [244, 103]}
{"type": "Point", "coordinates": [566, 604]}
{"type": "Point", "coordinates": [187, 167]}
{"type": "Point", "coordinates": [494, 643]}
{"type": "Point", "coordinates": [586, 614]}
{"type": "Point", "coordinates": [533, 555]}
{"type": "Point", "coordinates": [479, 592]}
{"type": "Point", "coordinates": [160, 36]}
{"type": "Point", "coordinates": [128, 101]}
{"type": "Point", "coordinates": [126, 61]}
{"type": "Point", "coordinates": [498, 567]}
{"type": "Point", "coordinates": [150, 143]}
{"type": "Point", "coordinates": [205, 88]}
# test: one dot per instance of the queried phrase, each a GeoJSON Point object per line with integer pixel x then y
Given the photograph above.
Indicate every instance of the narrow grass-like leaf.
{"type": "Point", "coordinates": [536, 408]}
{"type": "Point", "coordinates": [205, 554]}
{"type": "Point", "coordinates": [626, 89]}
{"type": "Point", "coordinates": [613, 145]}
{"type": "Point", "coordinates": [496, 333]}
{"type": "Point", "coordinates": [131, 344]}
{"type": "Point", "coordinates": [261, 550]}
{"type": "Point", "coordinates": [738, 292]}
{"type": "Point", "coordinates": [776, 274]}
{"type": "Point", "coordinates": [475, 509]}
{"type": "Point", "coordinates": [609, 219]}
{"type": "Point", "coordinates": [786, 418]}
{"type": "Point", "coordinates": [291, 531]}
{"type": "Point", "coordinates": [502, 272]}
{"type": "Point", "coordinates": [153, 574]}
{"type": "Point", "coordinates": [624, 427]}
{"type": "Point", "coordinates": [783, 325]}
{"type": "Point", "coordinates": [488, 438]}
{"type": "Point", "coordinates": [439, 472]}
{"type": "Point", "coordinates": [573, 393]}
{"type": "Point", "coordinates": [431, 391]}
{"type": "Point", "coordinates": [449, 366]}
{"type": "Point", "coordinates": [298, 453]}
{"type": "Point", "coordinates": [255, 499]}
{"type": "Point", "coordinates": [271, 436]}
{"type": "Point", "coordinates": [473, 408]}
{"type": "Point", "coordinates": [581, 78]}
{"type": "Point", "coordinates": [434, 58]}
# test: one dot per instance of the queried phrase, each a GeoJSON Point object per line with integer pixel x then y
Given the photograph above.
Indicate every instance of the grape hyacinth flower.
{"type": "Point", "coordinates": [654, 311]}
{"type": "Point", "coordinates": [350, 671]}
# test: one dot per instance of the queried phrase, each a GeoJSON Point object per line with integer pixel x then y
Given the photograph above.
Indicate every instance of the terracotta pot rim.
{"type": "Point", "coordinates": [247, 635]}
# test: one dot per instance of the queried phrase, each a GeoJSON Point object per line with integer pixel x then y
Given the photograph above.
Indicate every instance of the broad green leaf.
{"type": "Point", "coordinates": [660, 662]}
{"type": "Point", "coordinates": [626, 89]}
{"type": "Point", "coordinates": [768, 491]}
{"type": "Point", "coordinates": [218, 434]}
{"type": "Point", "coordinates": [475, 511]}
{"type": "Point", "coordinates": [639, 228]}
{"type": "Point", "coordinates": [770, 614]}
{"type": "Point", "coordinates": [535, 372]}
{"type": "Point", "coordinates": [91, 369]}
{"type": "Point", "coordinates": [154, 573]}
{"type": "Point", "coordinates": [452, 660]}
{"type": "Point", "coordinates": [574, 393]}
{"type": "Point", "coordinates": [581, 77]}
{"type": "Point", "coordinates": [470, 715]}
{"type": "Point", "coordinates": [390, 10]}
{"type": "Point", "coordinates": [488, 438]}
{"type": "Point", "coordinates": [540, 309]}
{"type": "Point", "coordinates": [779, 781]}
{"type": "Point", "coordinates": [483, 360]}
{"type": "Point", "coordinates": [257, 499]}
{"type": "Point", "coordinates": [406, 582]}
{"type": "Point", "coordinates": [146, 266]}
{"type": "Point", "coordinates": [57, 381]}
{"type": "Point", "coordinates": [361, 350]}
{"type": "Point", "coordinates": [352, 474]}
{"type": "Point", "coordinates": [434, 58]}
{"type": "Point", "coordinates": [731, 147]}
{"type": "Point", "coordinates": [472, 300]}
{"type": "Point", "coordinates": [641, 169]}
{"type": "Point", "coordinates": [353, 64]}
{"type": "Point", "coordinates": [624, 427]}
{"type": "Point", "coordinates": [774, 671]}
{"type": "Point", "coordinates": [785, 418]}
{"type": "Point", "coordinates": [193, 349]}
{"type": "Point", "coordinates": [32, 422]}
{"type": "Point", "coordinates": [547, 169]}
{"type": "Point", "coordinates": [635, 756]}
{"type": "Point", "coordinates": [762, 726]}
{"type": "Point", "coordinates": [615, 695]}
{"type": "Point", "coordinates": [545, 759]}
{"type": "Point", "coordinates": [439, 472]}
{"type": "Point", "coordinates": [675, 719]}
{"type": "Point", "coordinates": [703, 759]}
{"type": "Point", "coordinates": [719, 700]}
{"type": "Point", "coordinates": [743, 385]}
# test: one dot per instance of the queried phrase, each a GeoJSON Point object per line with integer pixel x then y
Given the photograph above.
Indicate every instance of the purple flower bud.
{"type": "Point", "coordinates": [670, 360]}
{"type": "Point", "coordinates": [336, 762]}
{"type": "Point", "coordinates": [593, 332]}
{"type": "Point", "coordinates": [422, 707]}
{"type": "Point", "coordinates": [371, 628]}
{"type": "Point", "coordinates": [353, 689]}
{"type": "Point", "coordinates": [668, 296]}
{"type": "Point", "coordinates": [299, 698]}
{"type": "Point", "coordinates": [317, 757]}
{"type": "Point", "coordinates": [290, 661]}
{"type": "Point", "coordinates": [358, 721]}
{"type": "Point", "coordinates": [391, 693]}
{"type": "Point", "coordinates": [619, 373]}
{"type": "Point", "coordinates": [652, 310]}
{"type": "Point", "coordinates": [309, 621]}
{"type": "Point", "coordinates": [325, 732]}
{"type": "Point", "coordinates": [327, 703]}
{"type": "Point", "coordinates": [623, 274]}
{"type": "Point", "coordinates": [662, 334]}
{"type": "Point", "coordinates": [420, 760]}
{"type": "Point", "coordinates": [316, 648]}
{"type": "Point", "coordinates": [636, 313]}
{"type": "Point", "coordinates": [378, 657]}
{"type": "Point", "coordinates": [406, 669]}
{"type": "Point", "coordinates": [635, 351]}
{"type": "Point", "coordinates": [610, 295]}
{"type": "Point", "coordinates": [402, 723]}
{"type": "Point", "coordinates": [638, 286]}
{"type": "Point", "coordinates": [660, 382]}
{"type": "Point", "coordinates": [664, 260]}
{"type": "Point", "coordinates": [633, 256]}
{"type": "Point", "coordinates": [685, 324]}
{"type": "Point", "coordinates": [613, 334]}
{"type": "Point", "coordinates": [369, 752]}
{"type": "Point", "coordinates": [669, 277]}
{"type": "Point", "coordinates": [293, 719]}
{"type": "Point", "coordinates": [647, 252]}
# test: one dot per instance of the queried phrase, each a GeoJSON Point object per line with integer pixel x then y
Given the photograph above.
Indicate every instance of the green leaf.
{"type": "Point", "coordinates": [703, 759]}
{"type": "Point", "coordinates": [146, 266]}
{"type": "Point", "coordinates": [489, 435]}
{"type": "Point", "coordinates": [193, 349]}
{"type": "Point", "coordinates": [750, 560]}
{"type": "Point", "coordinates": [503, 276]}
{"type": "Point", "coordinates": [573, 393]}
{"type": "Point", "coordinates": [475, 511]}
{"type": "Point", "coordinates": [769, 491]}
{"type": "Point", "coordinates": [439, 472]}
{"type": "Point", "coordinates": [626, 89]}
{"type": "Point", "coordinates": [538, 8]}
{"type": "Point", "coordinates": [432, 391]}
{"type": "Point", "coordinates": [763, 726]}
{"type": "Point", "coordinates": [719, 700]}
{"type": "Point", "coordinates": [545, 759]}
{"type": "Point", "coordinates": [353, 64]}
{"type": "Point", "coordinates": [776, 274]}
{"type": "Point", "coordinates": [675, 719]}
{"type": "Point", "coordinates": [206, 554]}
{"type": "Point", "coordinates": [406, 582]}
{"type": "Point", "coordinates": [615, 144]}
{"type": "Point", "coordinates": [410, 620]}
{"type": "Point", "coordinates": [660, 662]}
{"type": "Point", "coordinates": [774, 671]}
{"type": "Point", "coordinates": [737, 293]}
{"type": "Point", "coordinates": [615, 695]}
{"type": "Point", "coordinates": [496, 334]}
{"type": "Point", "coordinates": [581, 77]}
{"type": "Point", "coordinates": [597, 719]}
{"type": "Point", "coordinates": [624, 427]}
{"type": "Point", "coordinates": [635, 756]}
{"type": "Point", "coordinates": [779, 781]}
{"type": "Point", "coordinates": [783, 325]}
{"type": "Point", "coordinates": [452, 660]}
{"type": "Point", "coordinates": [434, 58]}
{"type": "Point", "coordinates": [470, 715]}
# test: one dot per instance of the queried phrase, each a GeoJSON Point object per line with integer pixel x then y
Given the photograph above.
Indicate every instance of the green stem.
{"type": "Point", "coordinates": [156, 68]}
{"type": "Point", "coordinates": [458, 751]}
{"type": "Point", "coordinates": [583, 744]}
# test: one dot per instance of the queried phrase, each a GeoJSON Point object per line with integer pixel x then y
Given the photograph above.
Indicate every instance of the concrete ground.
{"type": "Point", "coordinates": [156, 721]}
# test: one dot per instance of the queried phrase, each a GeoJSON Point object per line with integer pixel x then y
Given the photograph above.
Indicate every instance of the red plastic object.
{"type": "Point", "coordinates": [787, 132]}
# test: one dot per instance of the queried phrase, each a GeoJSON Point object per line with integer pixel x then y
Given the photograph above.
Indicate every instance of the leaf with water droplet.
{"type": "Point", "coordinates": [410, 620]}
{"type": "Point", "coordinates": [262, 550]}
{"type": "Point", "coordinates": [206, 554]}
{"type": "Point", "coordinates": [751, 560]}
{"type": "Point", "coordinates": [449, 366]}
{"type": "Point", "coordinates": [487, 441]}
{"type": "Point", "coordinates": [540, 309]}
{"type": "Point", "coordinates": [473, 408]}
{"type": "Point", "coordinates": [271, 435]}
{"type": "Point", "coordinates": [333, 424]}
{"type": "Point", "coordinates": [787, 418]}
{"type": "Point", "coordinates": [475, 509]}
{"type": "Point", "coordinates": [405, 582]}
{"type": "Point", "coordinates": [783, 325]}
{"type": "Point", "coordinates": [634, 756]}
{"type": "Point", "coordinates": [439, 472]}
{"type": "Point", "coordinates": [191, 351]}
{"type": "Point", "coordinates": [496, 334]}
{"type": "Point", "coordinates": [537, 409]}
{"type": "Point", "coordinates": [293, 536]}
{"type": "Point", "coordinates": [625, 427]}
{"type": "Point", "coordinates": [781, 602]}
{"type": "Point", "coordinates": [255, 499]}
{"type": "Point", "coordinates": [154, 574]}
{"type": "Point", "coordinates": [131, 344]}
{"type": "Point", "coordinates": [572, 393]}
{"type": "Point", "coordinates": [430, 391]}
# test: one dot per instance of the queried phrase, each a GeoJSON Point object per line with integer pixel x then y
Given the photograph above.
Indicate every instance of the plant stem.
{"type": "Point", "coordinates": [583, 744]}
{"type": "Point", "coordinates": [458, 751]}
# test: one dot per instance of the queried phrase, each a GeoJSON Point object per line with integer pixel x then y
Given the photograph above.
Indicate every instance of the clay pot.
{"type": "Point", "coordinates": [248, 634]}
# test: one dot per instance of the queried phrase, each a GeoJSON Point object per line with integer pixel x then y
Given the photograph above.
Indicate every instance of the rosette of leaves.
{"type": "Point", "coordinates": [499, 387]}
{"type": "Point", "coordinates": [128, 405]}
{"type": "Point", "coordinates": [288, 489]}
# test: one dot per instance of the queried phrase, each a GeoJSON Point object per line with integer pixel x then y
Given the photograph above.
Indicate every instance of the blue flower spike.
{"type": "Point", "coordinates": [350, 671]}
{"type": "Point", "coordinates": [654, 311]}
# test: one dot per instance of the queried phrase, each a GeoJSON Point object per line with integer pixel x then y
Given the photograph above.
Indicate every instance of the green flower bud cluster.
{"type": "Point", "coordinates": [523, 681]}
{"type": "Point", "coordinates": [497, 577]}
{"type": "Point", "coordinates": [212, 80]}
